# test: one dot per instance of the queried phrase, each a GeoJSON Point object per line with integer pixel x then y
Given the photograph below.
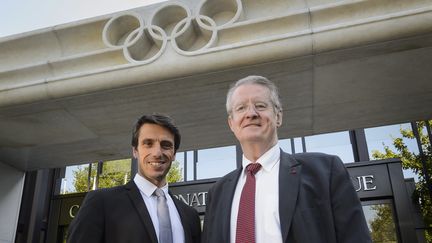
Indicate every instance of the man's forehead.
{"type": "Point", "coordinates": [244, 88]}
{"type": "Point", "coordinates": [155, 138]}
{"type": "Point", "coordinates": [155, 132]}
{"type": "Point", "coordinates": [250, 96]}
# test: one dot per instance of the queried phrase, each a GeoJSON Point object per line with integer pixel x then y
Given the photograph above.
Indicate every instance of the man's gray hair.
{"type": "Point", "coordinates": [253, 79]}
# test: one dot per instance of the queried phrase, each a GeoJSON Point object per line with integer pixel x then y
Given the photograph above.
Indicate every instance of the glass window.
{"type": "Point", "coordinates": [337, 143]}
{"type": "Point", "coordinates": [381, 143]}
{"type": "Point", "coordinates": [285, 145]}
{"type": "Point", "coordinates": [75, 180]}
{"type": "Point", "coordinates": [298, 145]}
{"type": "Point", "coordinates": [379, 137]}
{"type": "Point", "coordinates": [190, 165]}
{"type": "Point", "coordinates": [381, 222]}
{"type": "Point", "coordinates": [178, 163]}
{"type": "Point", "coordinates": [216, 162]}
{"type": "Point", "coordinates": [115, 173]}
{"type": "Point", "coordinates": [93, 176]}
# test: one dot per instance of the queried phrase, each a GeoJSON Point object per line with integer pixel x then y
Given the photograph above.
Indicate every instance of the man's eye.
{"type": "Point", "coordinates": [147, 143]}
{"type": "Point", "coordinates": [240, 108]}
{"type": "Point", "coordinates": [167, 145]}
{"type": "Point", "coordinates": [260, 106]}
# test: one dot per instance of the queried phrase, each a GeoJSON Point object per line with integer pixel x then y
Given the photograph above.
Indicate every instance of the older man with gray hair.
{"type": "Point", "coordinates": [276, 197]}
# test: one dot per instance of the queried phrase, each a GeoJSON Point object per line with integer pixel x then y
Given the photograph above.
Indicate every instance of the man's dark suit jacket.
{"type": "Point", "coordinates": [119, 214]}
{"type": "Point", "coordinates": [317, 203]}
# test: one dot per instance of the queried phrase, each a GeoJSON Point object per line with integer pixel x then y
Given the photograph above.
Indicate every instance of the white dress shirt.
{"type": "Point", "coordinates": [147, 189]}
{"type": "Point", "coordinates": [267, 222]}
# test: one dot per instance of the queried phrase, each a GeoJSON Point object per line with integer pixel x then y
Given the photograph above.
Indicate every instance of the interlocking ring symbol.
{"type": "Point", "coordinates": [140, 43]}
{"type": "Point", "coordinates": [189, 35]}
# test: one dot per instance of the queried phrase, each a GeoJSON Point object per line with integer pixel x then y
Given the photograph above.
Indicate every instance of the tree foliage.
{"type": "Point", "coordinates": [383, 227]}
{"type": "Point", "coordinates": [413, 161]}
{"type": "Point", "coordinates": [114, 173]}
{"type": "Point", "coordinates": [80, 178]}
{"type": "Point", "coordinates": [175, 173]}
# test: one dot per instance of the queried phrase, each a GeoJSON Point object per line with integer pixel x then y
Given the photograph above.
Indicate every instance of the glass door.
{"type": "Point", "coordinates": [380, 218]}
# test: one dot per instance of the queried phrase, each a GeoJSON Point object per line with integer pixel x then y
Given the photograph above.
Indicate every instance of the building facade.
{"type": "Point", "coordinates": [70, 94]}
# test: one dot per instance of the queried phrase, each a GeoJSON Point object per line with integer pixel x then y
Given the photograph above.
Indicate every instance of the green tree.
{"type": "Point", "coordinates": [382, 226]}
{"type": "Point", "coordinates": [175, 173]}
{"type": "Point", "coordinates": [80, 177]}
{"type": "Point", "coordinates": [114, 173]}
{"type": "Point", "coordinates": [413, 161]}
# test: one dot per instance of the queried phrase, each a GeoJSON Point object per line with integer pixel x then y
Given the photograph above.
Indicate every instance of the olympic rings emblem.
{"type": "Point", "coordinates": [143, 42]}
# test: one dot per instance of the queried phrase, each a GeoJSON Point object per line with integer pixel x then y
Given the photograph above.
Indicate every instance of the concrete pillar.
{"type": "Point", "coordinates": [11, 189]}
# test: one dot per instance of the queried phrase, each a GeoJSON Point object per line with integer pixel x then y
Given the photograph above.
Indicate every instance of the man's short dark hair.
{"type": "Point", "coordinates": [158, 119]}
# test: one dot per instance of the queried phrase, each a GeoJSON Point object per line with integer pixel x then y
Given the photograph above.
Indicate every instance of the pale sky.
{"type": "Point", "coordinates": [19, 16]}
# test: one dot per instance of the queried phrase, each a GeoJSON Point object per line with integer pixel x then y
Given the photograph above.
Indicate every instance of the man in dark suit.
{"type": "Point", "coordinates": [142, 211]}
{"type": "Point", "coordinates": [276, 197]}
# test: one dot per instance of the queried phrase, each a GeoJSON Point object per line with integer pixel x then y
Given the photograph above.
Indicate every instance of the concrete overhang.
{"type": "Point", "coordinates": [70, 94]}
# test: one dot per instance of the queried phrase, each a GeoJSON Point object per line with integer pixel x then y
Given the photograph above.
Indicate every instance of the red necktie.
{"type": "Point", "coordinates": [246, 215]}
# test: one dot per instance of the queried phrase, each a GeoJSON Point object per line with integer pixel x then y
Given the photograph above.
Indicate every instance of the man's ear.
{"type": "Point", "coordinates": [135, 153]}
{"type": "Point", "coordinates": [279, 118]}
{"type": "Point", "coordinates": [230, 121]}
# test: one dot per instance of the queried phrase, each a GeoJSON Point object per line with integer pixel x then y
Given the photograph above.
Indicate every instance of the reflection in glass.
{"type": "Point", "coordinates": [285, 145]}
{"type": "Point", "coordinates": [337, 143]}
{"type": "Point", "coordinates": [190, 165]}
{"type": "Point", "coordinates": [381, 143]}
{"type": "Point", "coordinates": [179, 160]}
{"type": "Point", "coordinates": [298, 146]}
{"type": "Point", "coordinates": [75, 179]}
{"type": "Point", "coordinates": [115, 173]}
{"type": "Point", "coordinates": [216, 162]}
{"type": "Point", "coordinates": [378, 138]}
{"type": "Point", "coordinates": [380, 220]}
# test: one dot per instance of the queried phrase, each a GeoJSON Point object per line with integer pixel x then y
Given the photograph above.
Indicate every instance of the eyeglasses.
{"type": "Point", "coordinates": [258, 106]}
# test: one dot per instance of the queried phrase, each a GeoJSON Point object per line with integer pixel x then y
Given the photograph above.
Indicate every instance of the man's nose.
{"type": "Point", "coordinates": [157, 150]}
{"type": "Point", "coordinates": [251, 111]}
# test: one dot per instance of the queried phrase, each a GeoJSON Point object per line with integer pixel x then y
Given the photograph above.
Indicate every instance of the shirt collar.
{"type": "Point", "coordinates": [268, 160]}
{"type": "Point", "coordinates": [146, 186]}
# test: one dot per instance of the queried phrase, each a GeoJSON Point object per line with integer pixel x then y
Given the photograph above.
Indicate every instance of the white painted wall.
{"type": "Point", "coordinates": [11, 189]}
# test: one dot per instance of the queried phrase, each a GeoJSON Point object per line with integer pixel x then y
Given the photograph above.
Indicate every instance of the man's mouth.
{"type": "Point", "coordinates": [252, 125]}
{"type": "Point", "coordinates": [157, 163]}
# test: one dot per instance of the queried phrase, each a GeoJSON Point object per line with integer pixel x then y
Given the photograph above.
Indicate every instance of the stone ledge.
{"type": "Point", "coordinates": [177, 39]}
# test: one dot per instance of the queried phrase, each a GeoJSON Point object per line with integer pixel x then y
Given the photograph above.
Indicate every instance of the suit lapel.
{"type": "Point", "coordinates": [137, 200]}
{"type": "Point", "coordinates": [289, 181]}
{"type": "Point", "coordinates": [227, 197]}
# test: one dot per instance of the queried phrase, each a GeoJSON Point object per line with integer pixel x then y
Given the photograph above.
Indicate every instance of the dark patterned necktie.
{"type": "Point", "coordinates": [246, 215]}
{"type": "Point", "coordinates": [165, 232]}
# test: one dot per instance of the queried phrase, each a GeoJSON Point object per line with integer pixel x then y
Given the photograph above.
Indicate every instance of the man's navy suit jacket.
{"type": "Point", "coordinates": [317, 203]}
{"type": "Point", "coordinates": [119, 214]}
